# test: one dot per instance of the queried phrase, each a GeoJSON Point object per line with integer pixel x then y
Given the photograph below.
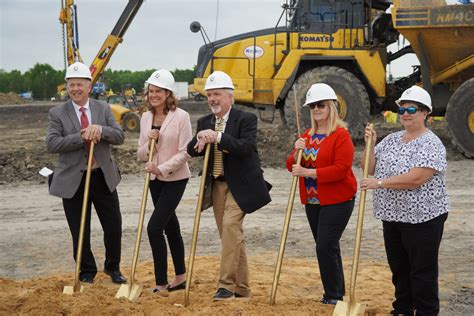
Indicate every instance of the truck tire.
{"type": "Point", "coordinates": [460, 117]}
{"type": "Point", "coordinates": [354, 103]}
{"type": "Point", "coordinates": [131, 122]}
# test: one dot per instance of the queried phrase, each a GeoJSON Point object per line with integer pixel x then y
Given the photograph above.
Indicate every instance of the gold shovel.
{"type": "Point", "coordinates": [197, 219]}
{"type": "Point", "coordinates": [353, 308]}
{"type": "Point", "coordinates": [133, 289]}
{"type": "Point", "coordinates": [77, 287]}
{"type": "Point", "coordinates": [289, 209]}
{"type": "Point", "coordinates": [284, 235]}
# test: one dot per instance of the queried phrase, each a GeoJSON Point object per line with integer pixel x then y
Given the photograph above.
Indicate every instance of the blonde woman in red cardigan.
{"type": "Point", "coordinates": [327, 184]}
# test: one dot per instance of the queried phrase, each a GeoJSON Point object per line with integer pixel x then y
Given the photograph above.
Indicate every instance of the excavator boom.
{"type": "Point", "coordinates": [68, 17]}
{"type": "Point", "coordinates": [114, 39]}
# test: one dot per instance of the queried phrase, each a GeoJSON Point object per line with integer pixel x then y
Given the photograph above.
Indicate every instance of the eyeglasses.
{"type": "Point", "coordinates": [319, 105]}
{"type": "Point", "coordinates": [409, 110]}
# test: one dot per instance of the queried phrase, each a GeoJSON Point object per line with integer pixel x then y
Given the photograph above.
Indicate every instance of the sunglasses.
{"type": "Point", "coordinates": [409, 110]}
{"type": "Point", "coordinates": [319, 105]}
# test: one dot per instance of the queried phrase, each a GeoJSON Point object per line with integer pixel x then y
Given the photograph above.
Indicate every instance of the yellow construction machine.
{"type": "Point", "coordinates": [442, 37]}
{"type": "Point", "coordinates": [126, 111]}
{"type": "Point", "coordinates": [68, 18]}
{"type": "Point", "coordinates": [344, 43]}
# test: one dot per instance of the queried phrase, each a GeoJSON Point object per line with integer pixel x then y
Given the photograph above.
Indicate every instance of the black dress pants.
{"type": "Point", "coordinates": [412, 253]}
{"type": "Point", "coordinates": [107, 206]}
{"type": "Point", "coordinates": [327, 225]}
{"type": "Point", "coordinates": [166, 197]}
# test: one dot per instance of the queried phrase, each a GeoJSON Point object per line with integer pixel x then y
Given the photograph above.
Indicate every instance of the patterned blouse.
{"type": "Point", "coordinates": [308, 160]}
{"type": "Point", "coordinates": [394, 157]}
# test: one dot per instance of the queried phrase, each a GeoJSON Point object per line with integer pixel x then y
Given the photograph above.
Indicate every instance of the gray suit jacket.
{"type": "Point", "coordinates": [64, 138]}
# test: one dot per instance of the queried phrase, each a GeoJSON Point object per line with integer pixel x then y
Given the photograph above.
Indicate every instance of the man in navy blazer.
{"type": "Point", "coordinates": [69, 132]}
{"type": "Point", "coordinates": [236, 177]}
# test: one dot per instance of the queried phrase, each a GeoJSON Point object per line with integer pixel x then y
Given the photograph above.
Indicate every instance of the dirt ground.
{"type": "Point", "coordinates": [10, 98]}
{"type": "Point", "coordinates": [36, 261]}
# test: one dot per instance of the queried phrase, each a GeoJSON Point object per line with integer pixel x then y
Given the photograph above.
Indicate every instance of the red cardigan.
{"type": "Point", "coordinates": [335, 179]}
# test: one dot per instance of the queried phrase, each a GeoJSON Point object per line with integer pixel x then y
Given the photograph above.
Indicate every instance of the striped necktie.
{"type": "Point", "coordinates": [218, 168]}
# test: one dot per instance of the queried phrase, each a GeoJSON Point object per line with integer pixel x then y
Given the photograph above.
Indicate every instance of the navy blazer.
{"type": "Point", "coordinates": [242, 170]}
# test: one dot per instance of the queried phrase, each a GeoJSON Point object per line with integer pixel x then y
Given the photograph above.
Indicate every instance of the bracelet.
{"type": "Point", "coordinates": [379, 184]}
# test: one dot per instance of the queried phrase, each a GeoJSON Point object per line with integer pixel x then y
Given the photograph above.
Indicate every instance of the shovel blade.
{"type": "Point", "coordinates": [349, 309]}
{"type": "Point", "coordinates": [69, 290]}
{"type": "Point", "coordinates": [130, 291]}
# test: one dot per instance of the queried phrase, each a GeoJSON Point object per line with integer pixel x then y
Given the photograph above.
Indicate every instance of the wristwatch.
{"type": "Point", "coordinates": [379, 183]}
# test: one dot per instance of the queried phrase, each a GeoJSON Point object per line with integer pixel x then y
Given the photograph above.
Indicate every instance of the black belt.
{"type": "Point", "coordinates": [220, 178]}
{"type": "Point", "coordinates": [93, 171]}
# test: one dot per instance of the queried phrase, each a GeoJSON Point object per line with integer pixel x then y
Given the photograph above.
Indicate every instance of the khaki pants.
{"type": "Point", "coordinates": [229, 217]}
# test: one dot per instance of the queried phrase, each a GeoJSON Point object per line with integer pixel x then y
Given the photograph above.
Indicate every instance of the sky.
{"type": "Point", "coordinates": [159, 36]}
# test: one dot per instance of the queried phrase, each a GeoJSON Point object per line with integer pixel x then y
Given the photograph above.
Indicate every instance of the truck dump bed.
{"type": "Point", "coordinates": [441, 35]}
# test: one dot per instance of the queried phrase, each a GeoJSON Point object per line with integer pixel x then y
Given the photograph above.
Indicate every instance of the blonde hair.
{"type": "Point", "coordinates": [334, 121]}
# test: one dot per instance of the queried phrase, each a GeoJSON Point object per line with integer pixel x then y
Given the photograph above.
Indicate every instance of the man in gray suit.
{"type": "Point", "coordinates": [69, 135]}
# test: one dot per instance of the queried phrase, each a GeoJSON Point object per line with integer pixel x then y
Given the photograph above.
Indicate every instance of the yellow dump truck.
{"type": "Point", "coordinates": [442, 37]}
{"type": "Point", "coordinates": [344, 43]}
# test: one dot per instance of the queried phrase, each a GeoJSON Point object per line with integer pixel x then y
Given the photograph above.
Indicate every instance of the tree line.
{"type": "Point", "coordinates": [42, 80]}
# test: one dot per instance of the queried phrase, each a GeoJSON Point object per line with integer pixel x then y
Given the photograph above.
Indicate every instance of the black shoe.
{"type": "Point", "coordinates": [87, 279]}
{"type": "Point", "coordinates": [328, 301]}
{"type": "Point", "coordinates": [237, 295]}
{"type": "Point", "coordinates": [116, 276]}
{"type": "Point", "coordinates": [395, 312]}
{"type": "Point", "coordinates": [180, 286]}
{"type": "Point", "coordinates": [223, 294]}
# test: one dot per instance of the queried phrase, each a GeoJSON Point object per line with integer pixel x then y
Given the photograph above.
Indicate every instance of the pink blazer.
{"type": "Point", "coordinates": [170, 151]}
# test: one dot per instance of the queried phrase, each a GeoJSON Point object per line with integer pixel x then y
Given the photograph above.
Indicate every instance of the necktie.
{"type": "Point", "coordinates": [84, 124]}
{"type": "Point", "coordinates": [218, 169]}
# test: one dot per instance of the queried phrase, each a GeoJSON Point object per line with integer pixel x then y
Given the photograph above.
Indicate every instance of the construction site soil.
{"type": "Point", "coordinates": [36, 261]}
{"type": "Point", "coordinates": [10, 98]}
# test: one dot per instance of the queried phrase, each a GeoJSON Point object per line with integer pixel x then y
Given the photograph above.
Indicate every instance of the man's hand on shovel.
{"type": "Point", "coordinates": [92, 133]}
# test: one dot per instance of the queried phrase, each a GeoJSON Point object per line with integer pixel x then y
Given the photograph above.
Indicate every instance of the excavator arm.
{"type": "Point", "coordinates": [114, 39]}
{"type": "Point", "coordinates": [68, 17]}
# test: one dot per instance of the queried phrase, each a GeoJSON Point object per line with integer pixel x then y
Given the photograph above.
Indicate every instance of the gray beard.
{"type": "Point", "coordinates": [216, 109]}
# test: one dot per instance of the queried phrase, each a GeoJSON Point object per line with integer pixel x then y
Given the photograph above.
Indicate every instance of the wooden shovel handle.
{"type": "Point", "coordinates": [85, 199]}
{"type": "Point", "coordinates": [197, 219]}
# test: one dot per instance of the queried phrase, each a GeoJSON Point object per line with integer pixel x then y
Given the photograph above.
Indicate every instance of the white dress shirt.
{"type": "Point", "coordinates": [226, 118]}
{"type": "Point", "coordinates": [77, 109]}
{"type": "Point", "coordinates": [79, 113]}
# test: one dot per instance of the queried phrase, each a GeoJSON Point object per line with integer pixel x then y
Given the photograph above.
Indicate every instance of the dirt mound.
{"type": "Point", "coordinates": [10, 98]}
{"type": "Point", "coordinates": [298, 292]}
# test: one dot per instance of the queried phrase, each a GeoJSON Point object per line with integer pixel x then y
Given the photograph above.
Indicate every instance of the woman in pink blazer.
{"type": "Point", "coordinates": [171, 127]}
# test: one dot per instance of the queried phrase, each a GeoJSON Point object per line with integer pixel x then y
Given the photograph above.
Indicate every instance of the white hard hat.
{"type": "Point", "coordinates": [219, 80]}
{"type": "Point", "coordinates": [78, 70]}
{"type": "Point", "coordinates": [162, 78]}
{"type": "Point", "coordinates": [417, 94]}
{"type": "Point", "coordinates": [319, 92]}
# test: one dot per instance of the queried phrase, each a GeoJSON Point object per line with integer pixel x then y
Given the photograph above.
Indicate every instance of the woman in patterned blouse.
{"type": "Point", "coordinates": [327, 184]}
{"type": "Point", "coordinates": [410, 198]}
